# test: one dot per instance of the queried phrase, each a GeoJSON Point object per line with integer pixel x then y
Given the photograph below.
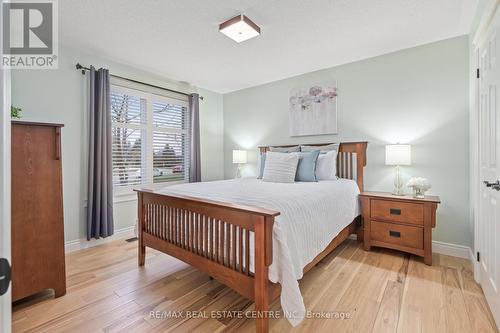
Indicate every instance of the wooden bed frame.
{"type": "Point", "coordinates": [179, 225]}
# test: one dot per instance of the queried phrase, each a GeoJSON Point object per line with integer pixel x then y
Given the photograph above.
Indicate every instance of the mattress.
{"type": "Point", "coordinates": [312, 214]}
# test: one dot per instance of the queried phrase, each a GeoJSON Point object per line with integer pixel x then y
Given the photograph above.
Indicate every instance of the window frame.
{"type": "Point", "coordinates": [153, 95]}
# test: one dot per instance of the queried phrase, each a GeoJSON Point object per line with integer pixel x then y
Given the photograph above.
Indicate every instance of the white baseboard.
{"type": "Point", "coordinates": [80, 244]}
{"type": "Point", "coordinates": [472, 256]}
{"type": "Point", "coordinates": [475, 265]}
{"type": "Point", "coordinates": [449, 249]}
{"type": "Point", "coordinates": [454, 250]}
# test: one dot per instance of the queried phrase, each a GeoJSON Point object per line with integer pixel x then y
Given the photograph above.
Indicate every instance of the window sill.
{"type": "Point", "coordinates": [119, 198]}
{"type": "Point", "coordinates": [125, 196]}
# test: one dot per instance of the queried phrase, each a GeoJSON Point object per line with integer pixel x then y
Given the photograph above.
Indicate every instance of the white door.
{"type": "Point", "coordinates": [489, 160]}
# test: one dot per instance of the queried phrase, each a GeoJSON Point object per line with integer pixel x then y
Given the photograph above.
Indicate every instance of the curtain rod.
{"type": "Point", "coordinates": [84, 69]}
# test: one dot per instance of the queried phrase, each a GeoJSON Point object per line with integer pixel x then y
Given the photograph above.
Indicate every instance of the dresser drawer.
{"type": "Point", "coordinates": [397, 234]}
{"type": "Point", "coordinates": [404, 212]}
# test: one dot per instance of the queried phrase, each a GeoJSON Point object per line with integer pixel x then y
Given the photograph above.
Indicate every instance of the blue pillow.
{"type": "Point", "coordinates": [306, 169]}
{"type": "Point", "coordinates": [262, 164]}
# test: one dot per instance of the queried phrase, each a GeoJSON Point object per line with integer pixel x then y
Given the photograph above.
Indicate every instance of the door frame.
{"type": "Point", "coordinates": [5, 300]}
{"type": "Point", "coordinates": [5, 181]}
{"type": "Point", "coordinates": [475, 164]}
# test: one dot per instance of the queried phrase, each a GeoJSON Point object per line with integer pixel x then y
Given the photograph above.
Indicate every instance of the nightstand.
{"type": "Point", "coordinates": [399, 222]}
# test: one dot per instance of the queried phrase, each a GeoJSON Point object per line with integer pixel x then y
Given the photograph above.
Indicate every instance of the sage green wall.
{"type": "Point", "coordinates": [58, 96]}
{"type": "Point", "coordinates": [212, 135]}
{"type": "Point", "coordinates": [418, 96]}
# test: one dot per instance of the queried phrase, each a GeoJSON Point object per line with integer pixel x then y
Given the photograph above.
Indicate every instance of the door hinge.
{"type": "Point", "coordinates": [478, 256]}
{"type": "Point", "coordinates": [477, 73]}
{"type": "Point", "coordinates": [4, 275]}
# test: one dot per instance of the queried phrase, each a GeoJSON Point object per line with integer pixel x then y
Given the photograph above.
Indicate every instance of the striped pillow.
{"type": "Point", "coordinates": [323, 149]}
{"type": "Point", "coordinates": [280, 167]}
{"type": "Point", "coordinates": [292, 149]}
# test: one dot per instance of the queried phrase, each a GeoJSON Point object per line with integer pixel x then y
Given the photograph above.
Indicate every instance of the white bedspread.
{"type": "Point", "coordinates": [312, 214]}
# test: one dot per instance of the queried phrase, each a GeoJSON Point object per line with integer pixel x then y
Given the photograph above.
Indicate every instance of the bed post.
{"type": "Point", "coordinates": [263, 259]}
{"type": "Point", "coordinates": [361, 153]}
{"type": "Point", "coordinates": [140, 229]}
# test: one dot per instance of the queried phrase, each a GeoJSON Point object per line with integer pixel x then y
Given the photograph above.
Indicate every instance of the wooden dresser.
{"type": "Point", "coordinates": [399, 222]}
{"type": "Point", "coordinates": [37, 210]}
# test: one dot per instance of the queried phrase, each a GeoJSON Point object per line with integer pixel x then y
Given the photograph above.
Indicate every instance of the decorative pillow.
{"type": "Point", "coordinates": [285, 149]}
{"type": "Point", "coordinates": [280, 168]}
{"type": "Point", "coordinates": [326, 167]}
{"type": "Point", "coordinates": [306, 168]}
{"type": "Point", "coordinates": [261, 164]}
{"type": "Point", "coordinates": [323, 149]}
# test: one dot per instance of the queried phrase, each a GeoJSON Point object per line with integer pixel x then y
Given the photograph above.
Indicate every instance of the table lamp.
{"type": "Point", "coordinates": [239, 157]}
{"type": "Point", "coordinates": [398, 155]}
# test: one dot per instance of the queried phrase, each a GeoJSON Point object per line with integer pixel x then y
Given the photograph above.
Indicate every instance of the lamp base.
{"type": "Point", "coordinates": [398, 183]}
{"type": "Point", "coordinates": [400, 194]}
{"type": "Point", "coordinates": [238, 171]}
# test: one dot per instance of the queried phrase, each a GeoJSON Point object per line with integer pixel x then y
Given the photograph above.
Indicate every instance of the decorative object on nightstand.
{"type": "Point", "coordinates": [419, 186]}
{"type": "Point", "coordinates": [398, 155]}
{"type": "Point", "coordinates": [239, 157]}
{"type": "Point", "coordinates": [402, 223]}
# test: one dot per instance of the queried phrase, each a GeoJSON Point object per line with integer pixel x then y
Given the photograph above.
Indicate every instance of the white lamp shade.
{"type": "Point", "coordinates": [239, 156]}
{"type": "Point", "coordinates": [398, 154]}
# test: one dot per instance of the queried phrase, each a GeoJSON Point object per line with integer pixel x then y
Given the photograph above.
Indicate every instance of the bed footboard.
{"type": "Point", "coordinates": [213, 237]}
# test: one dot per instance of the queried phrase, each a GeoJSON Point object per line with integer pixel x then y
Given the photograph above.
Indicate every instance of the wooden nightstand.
{"type": "Point", "coordinates": [399, 222]}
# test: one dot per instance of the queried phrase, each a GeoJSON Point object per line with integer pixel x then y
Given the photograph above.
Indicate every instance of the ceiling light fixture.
{"type": "Point", "coordinates": [239, 28]}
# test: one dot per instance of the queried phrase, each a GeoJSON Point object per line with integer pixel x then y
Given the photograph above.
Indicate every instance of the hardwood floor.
{"type": "Point", "coordinates": [381, 291]}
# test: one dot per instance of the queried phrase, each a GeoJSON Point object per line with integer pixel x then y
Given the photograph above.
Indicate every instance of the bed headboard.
{"type": "Point", "coordinates": [350, 161]}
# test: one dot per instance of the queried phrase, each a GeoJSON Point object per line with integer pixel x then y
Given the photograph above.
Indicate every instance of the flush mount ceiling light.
{"type": "Point", "coordinates": [239, 28]}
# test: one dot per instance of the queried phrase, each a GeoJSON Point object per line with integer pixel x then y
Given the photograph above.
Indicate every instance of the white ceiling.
{"type": "Point", "coordinates": [179, 39]}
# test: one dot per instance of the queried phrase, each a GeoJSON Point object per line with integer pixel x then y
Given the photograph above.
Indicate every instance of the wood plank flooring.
{"type": "Point", "coordinates": [380, 291]}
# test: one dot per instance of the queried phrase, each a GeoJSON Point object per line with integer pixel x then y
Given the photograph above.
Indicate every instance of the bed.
{"type": "Point", "coordinates": [249, 234]}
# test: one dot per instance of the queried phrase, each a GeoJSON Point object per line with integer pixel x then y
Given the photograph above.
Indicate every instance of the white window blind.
{"type": "Point", "coordinates": [170, 142]}
{"type": "Point", "coordinates": [150, 138]}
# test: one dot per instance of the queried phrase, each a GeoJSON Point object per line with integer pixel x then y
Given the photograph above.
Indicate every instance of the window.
{"type": "Point", "coordinates": [150, 137]}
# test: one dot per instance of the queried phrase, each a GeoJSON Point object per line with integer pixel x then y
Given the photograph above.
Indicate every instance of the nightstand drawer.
{"type": "Point", "coordinates": [397, 234]}
{"type": "Point", "coordinates": [397, 211]}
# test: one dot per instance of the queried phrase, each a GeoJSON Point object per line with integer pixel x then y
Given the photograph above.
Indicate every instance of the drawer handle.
{"type": "Point", "coordinates": [394, 234]}
{"type": "Point", "coordinates": [395, 211]}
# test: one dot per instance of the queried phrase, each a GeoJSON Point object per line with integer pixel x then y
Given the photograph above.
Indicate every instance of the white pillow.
{"type": "Point", "coordinates": [280, 167]}
{"type": "Point", "coordinates": [326, 166]}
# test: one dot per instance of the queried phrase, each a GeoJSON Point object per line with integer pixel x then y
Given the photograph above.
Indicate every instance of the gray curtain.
{"type": "Point", "coordinates": [100, 179]}
{"type": "Point", "coordinates": [195, 159]}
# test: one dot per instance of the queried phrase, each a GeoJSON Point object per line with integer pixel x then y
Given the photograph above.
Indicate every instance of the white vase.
{"type": "Point", "coordinates": [418, 192]}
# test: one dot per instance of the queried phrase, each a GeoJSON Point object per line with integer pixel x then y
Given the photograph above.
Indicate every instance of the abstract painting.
{"type": "Point", "coordinates": [313, 110]}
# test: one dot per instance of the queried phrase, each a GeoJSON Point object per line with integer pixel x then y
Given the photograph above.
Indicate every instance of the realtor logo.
{"type": "Point", "coordinates": [29, 34]}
